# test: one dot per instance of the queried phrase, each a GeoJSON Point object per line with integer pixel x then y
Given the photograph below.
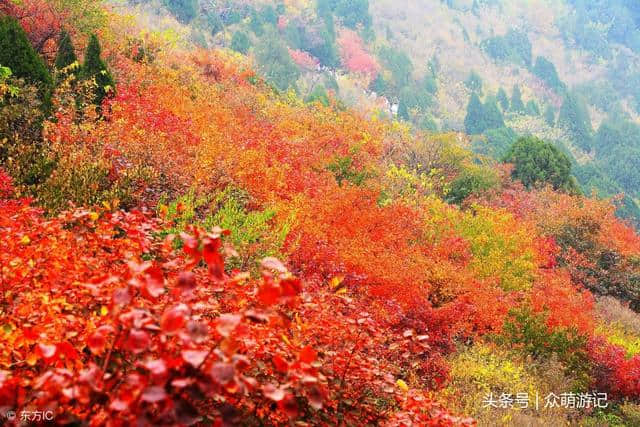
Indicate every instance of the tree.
{"type": "Point", "coordinates": [474, 83]}
{"type": "Point", "coordinates": [17, 54]}
{"type": "Point", "coordinates": [66, 54]}
{"type": "Point", "coordinates": [546, 71]}
{"type": "Point", "coordinates": [275, 62]}
{"type": "Point", "coordinates": [574, 117]}
{"type": "Point", "coordinates": [532, 108]}
{"type": "Point", "coordinates": [517, 106]}
{"type": "Point", "coordinates": [184, 10]}
{"type": "Point", "coordinates": [550, 116]}
{"type": "Point", "coordinates": [240, 42]}
{"type": "Point", "coordinates": [474, 120]}
{"type": "Point", "coordinates": [399, 64]}
{"type": "Point", "coordinates": [537, 163]}
{"type": "Point", "coordinates": [95, 68]}
{"type": "Point", "coordinates": [501, 96]}
{"type": "Point", "coordinates": [493, 116]}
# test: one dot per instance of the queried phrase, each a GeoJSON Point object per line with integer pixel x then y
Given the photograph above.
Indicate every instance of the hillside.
{"type": "Point", "coordinates": [422, 60]}
{"type": "Point", "coordinates": [205, 228]}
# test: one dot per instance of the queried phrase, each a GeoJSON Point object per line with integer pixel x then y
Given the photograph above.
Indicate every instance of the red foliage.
{"type": "Point", "coordinates": [614, 372]}
{"type": "Point", "coordinates": [40, 20]}
{"type": "Point", "coordinates": [303, 59]}
{"type": "Point", "coordinates": [354, 56]}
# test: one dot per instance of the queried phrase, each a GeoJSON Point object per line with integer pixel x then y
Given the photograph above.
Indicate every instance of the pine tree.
{"type": "Point", "coordinates": [95, 68]}
{"type": "Point", "coordinates": [474, 121]}
{"type": "Point", "coordinates": [502, 99]}
{"type": "Point", "coordinates": [517, 106]}
{"type": "Point", "coordinates": [492, 115]}
{"type": "Point", "coordinates": [550, 116]}
{"type": "Point", "coordinates": [17, 53]}
{"type": "Point", "coordinates": [66, 54]}
{"type": "Point", "coordinates": [532, 108]}
{"type": "Point", "coordinates": [574, 117]}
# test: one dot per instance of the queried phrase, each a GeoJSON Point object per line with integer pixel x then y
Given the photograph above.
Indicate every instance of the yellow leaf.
{"type": "Point", "coordinates": [25, 240]}
{"type": "Point", "coordinates": [286, 340]}
{"type": "Point", "coordinates": [402, 385]}
{"type": "Point", "coordinates": [335, 281]}
{"type": "Point", "coordinates": [94, 216]}
{"type": "Point", "coordinates": [341, 291]}
{"type": "Point", "coordinates": [106, 205]}
{"type": "Point", "coordinates": [32, 359]}
{"type": "Point", "coordinates": [104, 311]}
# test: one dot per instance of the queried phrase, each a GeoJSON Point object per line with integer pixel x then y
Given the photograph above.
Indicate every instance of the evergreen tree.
{"type": "Point", "coordinates": [184, 10]}
{"type": "Point", "coordinates": [538, 162]}
{"type": "Point", "coordinates": [502, 99]}
{"type": "Point", "coordinates": [275, 63]}
{"type": "Point", "coordinates": [532, 108]}
{"type": "Point", "coordinates": [474, 121]}
{"type": "Point", "coordinates": [240, 42]}
{"type": "Point", "coordinates": [474, 83]}
{"type": "Point", "coordinates": [517, 106]}
{"type": "Point", "coordinates": [492, 115]}
{"type": "Point", "coordinates": [95, 68]}
{"type": "Point", "coordinates": [17, 53]}
{"type": "Point", "coordinates": [574, 117]}
{"type": "Point", "coordinates": [550, 116]}
{"type": "Point", "coordinates": [66, 55]}
{"type": "Point", "coordinates": [546, 71]}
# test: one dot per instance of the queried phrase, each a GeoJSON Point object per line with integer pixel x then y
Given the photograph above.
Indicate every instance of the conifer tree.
{"type": "Point", "coordinates": [492, 115]}
{"type": "Point", "coordinates": [95, 68]}
{"type": "Point", "coordinates": [502, 99]}
{"type": "Point", "coordinates": [17, 53]}
{"type": "Point", "coordinates": [517, 106]}
{"type": "Point", "coordinates": [550, 116]}
{"type": "Point", "coordinates": [574, 117]}
{"type": "Point", "coordinates": [66, 55]}
{"type": "Point", "coordinates": [474, 121]}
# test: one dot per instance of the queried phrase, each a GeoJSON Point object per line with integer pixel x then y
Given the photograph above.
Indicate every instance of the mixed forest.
{"type": "Point", "coordinates": [300, 212]}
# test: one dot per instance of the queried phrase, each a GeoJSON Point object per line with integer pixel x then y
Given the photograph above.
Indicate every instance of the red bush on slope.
{"type": "Point", "coordinates": [109, 345]}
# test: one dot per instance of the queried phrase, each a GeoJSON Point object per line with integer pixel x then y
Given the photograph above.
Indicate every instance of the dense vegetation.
{"type": "Point", "coordinates": [195, 236]}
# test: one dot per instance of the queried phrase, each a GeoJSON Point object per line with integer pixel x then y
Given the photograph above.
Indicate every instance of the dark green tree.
{"type": "Point", "coordinates": [474, 83]}
{"type": "Point", "coordinates": [501, 96]}
{"type": "Point", "coordinates": [17, 53]}
{"type": "Point", "coordinates": [550, 116]}
{"type": "Point", "coordinates": [532, 108]}
{"type": "Point", "coordinates": [546, 71]}
{"type": "Point", "coordinates": [354, 13]}
{"type": "Point", "coordinates": [517, 106]}
{"type": "Point", "coordinates": [240, 42]}
{"type": "Point", "coordinates": [95, 68]}
{"type": "Point", "coordinates": [275, 63]}
{"type": "Point", "coordinates": [399, 64]}
{"type": "Point", "coordinates": [537, 163]}
{"type": "Point", "coordinates": [66, 54]}
{"type": "Point", "coordinates": [574, 117]}
{"type": "Point", "coordinates": [184, 10]}
{"type": "Point", "coordinates": [474, 120]}
{"type": "Point", "coordinates": [492, 115]}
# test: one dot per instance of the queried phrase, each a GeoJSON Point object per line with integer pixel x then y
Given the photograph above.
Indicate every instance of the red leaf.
{"type": "Point", "coordinates": [291, 287]}
{"type": "Point", "coordinates": [269, 292]}
{"type": "Point", "coordinates": [289, 405]}
{"type": "Point", "coordinates": [307, 355]}
{"type": "Point", "coordinates": [154, 282]}
{"type": "Point", "coordinates": [96, 342]}
{"type": "Point", "coordinates": [272, 392]}
{"type": "Point", "coordinates": [213, 258]}
{"type": "Point", "coordinates": [138, 341]}
{"type": "Point", "coordinates": [173, 319]}
{"type": "Point", "coordinates": [187, 281]}
{"type": "Point", "coordinates": [157, 367]}
{"type": "Point", "coordinates": [153, 394]}
{"type": "Point", "coordinates": [47, 351]}
{"type": "Point", "coordinates": [194, 357]}
{"type": "Point", "coordinates": [280, 364]}
{"type": "Point", "coordinates": [227, 323]}
{"type": "Point", "coordinates": [222, 373]}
